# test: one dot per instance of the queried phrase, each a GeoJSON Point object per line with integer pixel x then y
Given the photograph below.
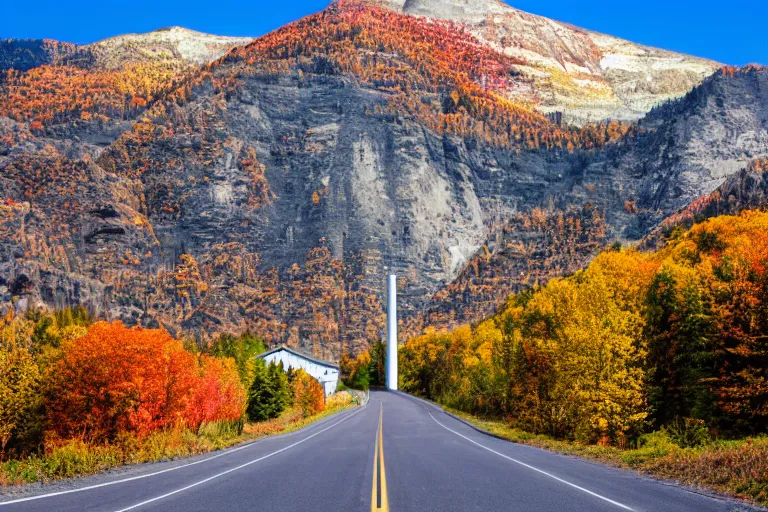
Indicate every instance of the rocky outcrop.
{"type": "Point", "coordinates": [744, 190]}
{"type": "Point", "coordinates": [175, 44]}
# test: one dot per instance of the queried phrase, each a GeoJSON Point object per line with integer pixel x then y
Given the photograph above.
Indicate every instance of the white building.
{"type": "Point", "coordinates": [326, 373]}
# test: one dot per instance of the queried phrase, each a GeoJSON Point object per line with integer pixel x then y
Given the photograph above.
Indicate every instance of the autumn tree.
{"type": "Point", "coordinates": [356, 373]}
{"type": "Point", "coordinates": [218, 395]}
{"type": "Point", "coordinates": [243, 349]}
{"type": "Point", "coordinates": [308, 393]}
{"type": "Point", "coordinates": [20, 396]}
{"type": "Point", "coordinates": [115, 379]}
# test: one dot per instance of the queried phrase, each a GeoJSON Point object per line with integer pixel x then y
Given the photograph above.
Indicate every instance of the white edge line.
{"type": "Point", "coordinates": [550, 475]}
{"type": "Point", "coordinates": [147, 475]}
{"type": "Point", "coordinates": [236, 468]}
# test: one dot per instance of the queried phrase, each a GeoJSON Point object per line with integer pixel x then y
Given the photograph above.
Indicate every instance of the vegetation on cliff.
{"type": "Point", "coordinates": [433, 70]}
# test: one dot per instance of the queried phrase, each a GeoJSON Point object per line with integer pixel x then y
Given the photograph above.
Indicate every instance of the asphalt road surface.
{"type": "Point", "coordinates": [397, 453]}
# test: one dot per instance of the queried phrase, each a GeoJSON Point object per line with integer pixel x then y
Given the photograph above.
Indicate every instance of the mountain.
{"type": "Point", "coordinates": [744, 190]}
{"type": "Point", "coordinates": [585, 75]}
{"type": "Point", "coordinates": [24, 54]}
{"type": "Point", "coordinates": [178, 45]}
{"type": "Point", "coordinates": [682, 154]}
{"type": "Point", "coordinates": [273, 188]}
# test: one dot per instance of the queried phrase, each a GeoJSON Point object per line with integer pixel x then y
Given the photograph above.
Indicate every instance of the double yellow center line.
{"type": "Point", "coordinates": [379, 500]}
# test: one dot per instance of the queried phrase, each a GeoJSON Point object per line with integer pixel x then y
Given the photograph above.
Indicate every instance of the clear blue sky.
{"type": "Point", "coordinates": [733, 32]}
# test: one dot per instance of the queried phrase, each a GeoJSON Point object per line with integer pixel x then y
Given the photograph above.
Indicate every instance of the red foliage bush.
{"type": "Point", "coordinates": [115, 379]}
{"type": "Point", "coordinates": [219, 395]}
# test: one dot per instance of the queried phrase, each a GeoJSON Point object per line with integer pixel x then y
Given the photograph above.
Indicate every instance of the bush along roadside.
{"type": "Point", "coordinates": [75, 458]}
{"type": "Point", "coordinates": [78, 397]}
{"type": "Point", "coordinates": [737, 467]}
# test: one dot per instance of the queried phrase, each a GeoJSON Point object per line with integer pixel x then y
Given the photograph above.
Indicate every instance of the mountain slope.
{"type": "Point", "coordinates": [680, 153]}
{"type": "Point", "coordinates": [273, 189]}
{"type": "Point", "coordinates": [176, 44]}
{"type": "Point", "coordinates": [23, 54]}
{"type": "Point", "coordinates": [583, 74]}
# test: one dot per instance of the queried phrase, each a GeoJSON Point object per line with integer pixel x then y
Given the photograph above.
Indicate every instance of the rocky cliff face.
{"type": "Point", "coordinates": [744, 190]}
{"type": "Point", "coordinates": [274, 189]}
{"type": "Point", "coordinates": [681, 153]}
{"type": "Point", "coordinates": [585, 75]}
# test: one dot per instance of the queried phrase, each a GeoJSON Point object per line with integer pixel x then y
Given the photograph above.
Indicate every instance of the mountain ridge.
{"type": "Point", "coordinates": [177, 44]}
{"type": "Point", "coordinates": [271, 189]}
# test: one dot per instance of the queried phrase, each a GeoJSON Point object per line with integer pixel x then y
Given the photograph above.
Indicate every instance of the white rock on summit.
{"type": "Point", "coordinates": [170, 43]}
{"type": "Point", "coordinates": [586, 75]}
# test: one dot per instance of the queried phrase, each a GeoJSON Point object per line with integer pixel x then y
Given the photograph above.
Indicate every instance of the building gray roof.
{"type": "Point", "coordinates": [299, 353]}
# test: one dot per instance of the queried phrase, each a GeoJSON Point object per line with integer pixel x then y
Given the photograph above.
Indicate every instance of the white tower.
{"type": "Point", "coordinates": [392, 332]}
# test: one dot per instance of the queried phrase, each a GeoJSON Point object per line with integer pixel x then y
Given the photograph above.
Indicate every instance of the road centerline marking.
{"type": "Point", "coordinates": [379, 497]}
{"type": "Point", "coordinates": [532, 468]}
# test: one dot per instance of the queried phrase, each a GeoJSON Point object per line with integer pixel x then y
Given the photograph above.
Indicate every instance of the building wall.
{"type": "Point", "coordinates": [328, 377]}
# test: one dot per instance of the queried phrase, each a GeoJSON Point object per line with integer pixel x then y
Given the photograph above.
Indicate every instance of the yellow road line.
{"type": "Point", "coordinates": [379, 499]}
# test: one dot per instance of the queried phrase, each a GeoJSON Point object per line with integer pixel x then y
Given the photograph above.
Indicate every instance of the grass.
{"type": "Point", "coordinates": [738, 468]}
{"type": "Point", "coordinates": [75, 458]}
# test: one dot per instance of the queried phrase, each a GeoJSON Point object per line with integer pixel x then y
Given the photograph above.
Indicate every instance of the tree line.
{"type": "Point", "coordinates": [65, 378]}
{"type": "Point", "coordinates": [676, 340]}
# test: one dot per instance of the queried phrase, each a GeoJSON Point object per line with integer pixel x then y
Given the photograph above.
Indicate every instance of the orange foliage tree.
{"type": "Point", "coordinates": [119, 379]}
{"type": "Point", "coordinates": [308, 394]}
{"type": "Point", "coordinates": [54, 94]}
{"type": "Point", "coordinates": [219, 395]}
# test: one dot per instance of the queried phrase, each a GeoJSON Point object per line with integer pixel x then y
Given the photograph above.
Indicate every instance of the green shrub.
{"type": "Point", "coordinates": [650, 446]}
{"type": "Point", "coordinates": [688, 432]}
{"type": "Point", "coordinates": [77, 458]}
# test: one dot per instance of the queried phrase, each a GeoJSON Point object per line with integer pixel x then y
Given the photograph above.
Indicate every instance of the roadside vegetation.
{"type": "Point", "coordinates": [737, 466]}
{"type": "Point", "coordinates": [366, 370]}
{"type": "Point", "coordinates": [655, 361]}
{"type": "Point", "coordinates": [78, 397]}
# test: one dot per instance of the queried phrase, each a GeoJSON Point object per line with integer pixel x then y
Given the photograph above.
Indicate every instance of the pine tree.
{"type": "Point", "coordinates": [269, 392]}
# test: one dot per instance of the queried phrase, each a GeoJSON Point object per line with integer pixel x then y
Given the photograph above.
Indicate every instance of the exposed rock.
{"type": "Point", "coordinates": [166, 44]}
{"type": "Point", "coordinates": [586, 75]}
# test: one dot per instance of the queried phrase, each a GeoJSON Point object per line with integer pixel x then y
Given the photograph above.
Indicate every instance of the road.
{"type": "Point", "coordinates": [397, 453]}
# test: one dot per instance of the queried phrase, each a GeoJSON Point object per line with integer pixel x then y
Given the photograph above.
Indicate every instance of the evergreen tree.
{"type": "Point", "coordinates": [377, 374]}
{"type": "Point", "coordinates": [678, 331]}
{"type": "Point", "coordinates": [269, 392]}
{"type": "Point", "coordinates": [282, 395]}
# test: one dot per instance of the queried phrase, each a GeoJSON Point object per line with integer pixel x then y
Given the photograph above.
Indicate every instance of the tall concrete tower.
{"type": "Point", "coordinates": [392, 332]}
